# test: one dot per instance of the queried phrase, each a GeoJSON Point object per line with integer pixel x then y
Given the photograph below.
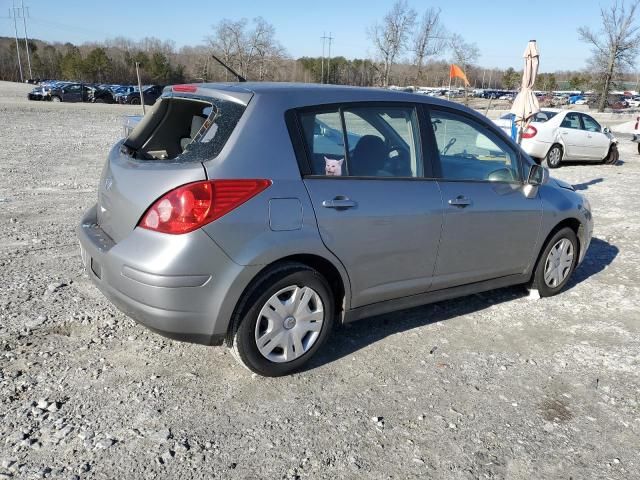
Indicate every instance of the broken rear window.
{"type": "Point", "coordinates": [184, 128]}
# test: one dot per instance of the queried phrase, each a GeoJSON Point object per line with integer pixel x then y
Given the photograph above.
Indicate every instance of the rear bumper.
{"type": "Point", "coordinates": [181, 286]}
{"type": "Point", "coordinates": [535, 148]}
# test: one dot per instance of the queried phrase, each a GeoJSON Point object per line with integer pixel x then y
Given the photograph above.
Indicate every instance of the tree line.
{"type": "Point", "coordinates": [410, 48]}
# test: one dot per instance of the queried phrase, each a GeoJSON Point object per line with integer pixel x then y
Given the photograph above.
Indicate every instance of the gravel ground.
{"type": "Point", "coordinates": [497, 385]}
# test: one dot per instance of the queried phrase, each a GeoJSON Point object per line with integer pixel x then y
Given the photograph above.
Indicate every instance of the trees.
{"type": "Point", "coordinates": [252, 52]}
{"type": "Point", "coordinates": [510, 79]}
{"type": "Point", "coordinates": [429, 38]}
{"type": "Point", "coordinates": [390, 37]}
{"type": "Point", "coordinates": [615, 47]}
{"type": "Point", "coordinates": [97, 65]}
{"type": "Point", "coordinates": [546, 82]}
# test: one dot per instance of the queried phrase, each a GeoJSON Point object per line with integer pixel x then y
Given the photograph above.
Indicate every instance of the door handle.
{"type": "Point", "coordinates": [339, 203]}
{"type": "Point", "coordinates": [460, 201]}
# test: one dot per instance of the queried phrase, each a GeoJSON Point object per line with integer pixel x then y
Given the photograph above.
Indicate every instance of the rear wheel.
{"type": "Point", "coordinates": [556, 263]}
{"type": "Point", "coordinates": [613, 155]}
{"type": "Point", "coordinates": [639, 148]}
{"type": "Point", "coordinates": [135, 101]}
{"type": "Point", "coordinates": [554, 156]}
{"type": "Point", "coordinates": [283, 320]}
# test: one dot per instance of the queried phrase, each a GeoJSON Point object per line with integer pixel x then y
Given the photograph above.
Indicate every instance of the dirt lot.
{"type": "Point", "coordinates": [497, 385]}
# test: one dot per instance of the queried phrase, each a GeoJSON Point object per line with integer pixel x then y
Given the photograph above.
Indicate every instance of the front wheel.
{"type": "Point", "coordinates": [135, 101]}
{"type": "Point", "coordinates": [556, 263]}
{"type": "Point", "coordinates": [554, 156]}
{"type": "Point", "coordinates": [638, 148]}
{"type": "Point", "coordinates": [283, 320]}
{"type": "Point", "coordinates": [613, 155]}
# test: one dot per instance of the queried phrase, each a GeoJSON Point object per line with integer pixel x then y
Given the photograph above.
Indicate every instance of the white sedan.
{"type": "Point", "coordinates": [556, 135]}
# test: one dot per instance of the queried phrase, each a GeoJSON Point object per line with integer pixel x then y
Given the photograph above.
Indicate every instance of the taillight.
{"type": "Point", "coordinates": [530, 132]}
{"type": "Point", "coordinates": [191, 206]}
{"type": "Point", "coordinates": [187, 88]}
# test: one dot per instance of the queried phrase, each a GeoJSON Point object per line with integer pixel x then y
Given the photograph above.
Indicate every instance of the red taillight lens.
{"type": "Point", "coordinates": [191, 206]}
{"type": "Point", "coordinates": [185, 88]}
{"type": "Point", "coordinates": [530, 132]}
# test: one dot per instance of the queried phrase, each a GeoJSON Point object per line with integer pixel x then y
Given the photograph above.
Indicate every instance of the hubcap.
{"type": "Point", "coordinates": [558, 264]}
{"type": "Point", "coordinates": [289, 323]}
{"type": "Point", "coordinates": [554, 156]}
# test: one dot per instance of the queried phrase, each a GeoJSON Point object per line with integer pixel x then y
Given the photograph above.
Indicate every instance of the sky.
{"type": "Point", "coordinates": [500, 28]}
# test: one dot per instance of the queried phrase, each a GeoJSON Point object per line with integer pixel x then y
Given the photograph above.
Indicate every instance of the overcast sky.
{"type": "Point", "coordinates": [500, 28]}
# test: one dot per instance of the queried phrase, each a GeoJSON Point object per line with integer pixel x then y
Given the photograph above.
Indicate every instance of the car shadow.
{"type": "Point", "coordinates": [358, 335]}
{"type": "Point", "coordinates": [599, 255]}
{"type": "Point", "coordinates": [585, 185]}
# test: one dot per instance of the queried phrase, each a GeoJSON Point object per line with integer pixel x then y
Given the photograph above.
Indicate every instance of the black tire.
{"type": "Point", "coordinates": [554, 156]}
{"type": "Point", "coordinates": [538, 281]}
{"type": "Point", "coordinates": [244, 345]}
{"type": "Point", "coordinates": [135, 101]}
{"type": "Point", "coordinates": [99, 100]}
{"type": "Point", "coordinates": [638, 148]}
{"type": "Point", "coordinates": [613, 155]}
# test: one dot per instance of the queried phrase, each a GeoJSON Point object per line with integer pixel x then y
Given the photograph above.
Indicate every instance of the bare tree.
{"type": "Point", "coordinates": [251, 52]}
{"type": "Point", "coordinates": [390, 37]}
{"type": "Point", "coordinates": [429, 38]}
{"type": "Point", "coordinates": [615, 47]}
{"type": "Point", "coordinates": [464, 55]}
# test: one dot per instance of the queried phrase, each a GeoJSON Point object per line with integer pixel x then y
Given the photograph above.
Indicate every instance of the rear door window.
{"type": "Point", "coordinates": [363, 141]}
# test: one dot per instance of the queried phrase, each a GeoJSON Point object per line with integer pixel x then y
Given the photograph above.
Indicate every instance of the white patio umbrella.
{"type": "Point", "coordinates": [526, 104]}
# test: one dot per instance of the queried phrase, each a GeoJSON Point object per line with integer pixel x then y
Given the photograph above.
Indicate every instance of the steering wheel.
{"type": "Point", "coordinates": [449, 144]}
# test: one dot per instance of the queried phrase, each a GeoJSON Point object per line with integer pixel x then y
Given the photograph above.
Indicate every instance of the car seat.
{"type": "Point", "coordinates": [196, 124]}
{"type": "Point", "coordinates": [368, 157]}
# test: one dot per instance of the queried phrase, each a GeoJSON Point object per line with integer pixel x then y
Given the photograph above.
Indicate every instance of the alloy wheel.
{"type": "Point", "coordinates": [555, 156]}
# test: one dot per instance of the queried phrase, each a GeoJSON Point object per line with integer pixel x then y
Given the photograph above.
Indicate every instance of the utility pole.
{"type": "Point", "coordinates": [329, 58]}
{"type": "Point", "coordinates": [323, 38]}
{"type": "Point", "coordinates": [26, 37]}
{"type": "Point", "coordinates": [12, 12]}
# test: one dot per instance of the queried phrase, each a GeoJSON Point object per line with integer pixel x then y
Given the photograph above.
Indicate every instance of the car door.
{"type": "Point", "coordinates": [72, 93]}
{"type": "Point", "coordinates": [597, 142]}
{"type": "Point", "coordinates": [574, 138]}
{"type": "Point", "coordinates": [490, 226]}
{"type": "Point", "coordinates": [375, 210]}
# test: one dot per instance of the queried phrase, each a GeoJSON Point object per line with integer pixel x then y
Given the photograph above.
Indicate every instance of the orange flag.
{"type": "Point", "coordinates": [456, 71]}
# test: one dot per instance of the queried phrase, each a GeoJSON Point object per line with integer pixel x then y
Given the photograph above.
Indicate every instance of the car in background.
{"type": "Point", "coordinates": [569, 135]}
{"type": "Point", "coordinates": [150, 94]}
{"type": "Point", "coordinates": [635, 136]}
{"type": "Point", "coordinates": [102, 95]}
{"type": "Point", "coordinates": [633, 102]}
{"type": "Point", "coordinates": [74, 92]}
{"type": "Point", "coordinates": [505, 122]}
{"type": "Point", "coordinates": [217, 220]}
{"type": "Point", "coordinates": [38, 93]}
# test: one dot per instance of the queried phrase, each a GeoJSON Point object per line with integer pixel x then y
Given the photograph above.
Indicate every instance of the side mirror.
{"type": "Point", "coordinates": [606, 130]}
{"type": "Point", "coordinates": [538, 175]}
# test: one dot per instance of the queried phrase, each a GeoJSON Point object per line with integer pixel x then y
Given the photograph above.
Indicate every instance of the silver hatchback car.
{"type": "Point", "coordinates": [261, 215]}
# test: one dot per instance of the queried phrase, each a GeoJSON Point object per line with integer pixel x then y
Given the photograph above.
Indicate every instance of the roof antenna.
{"type": "Point", "coordinates": [231, 70]}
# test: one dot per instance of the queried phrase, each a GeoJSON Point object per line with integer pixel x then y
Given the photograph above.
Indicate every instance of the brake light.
{"type": "Point", "coordinates": [530, 132]}
{"type": "Point", "coordinates": [192, 206]}
{"type": "Point", "coordinates": [186, 88]}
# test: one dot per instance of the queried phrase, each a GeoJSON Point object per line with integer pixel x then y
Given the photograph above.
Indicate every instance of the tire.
{"type": "Point", "coordinates": [135, 101]}
{"type": "Point", "coordinates": [638, 148]}
{"type": "Point", "coordinates": [556, 262]}
{"type": "Point", "coordinates": [554, 156]}
{"type": "Point", "coordinates": [613, 155]}
{"type": "Point", "coordinates": [99, 100]}
{"type": "Point", "coordinates": [258, 322]}
{"type": "Point", "coordinates": [56, 99]}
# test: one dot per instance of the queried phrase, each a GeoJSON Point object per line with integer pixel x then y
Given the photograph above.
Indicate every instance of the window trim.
{"type": "Point", "coordinates": [582, 116]}
{"type": "Point", "coordinates": [490, 128]}
{"type": "Point", "coordinates": [301, 149]}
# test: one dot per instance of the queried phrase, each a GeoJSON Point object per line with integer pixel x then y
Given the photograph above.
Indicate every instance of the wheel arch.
{"type": "Point", "coordinates": [339, 285]}
{"type": "Point", "coordinates": [570, 222]}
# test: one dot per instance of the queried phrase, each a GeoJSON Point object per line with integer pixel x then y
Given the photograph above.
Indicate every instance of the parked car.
{"type": "Point", "coordinates": [234, 214]}
{"type": "Point", "coordinates": [505, 122]}
{"type": "Point", "coordinates": [74, 92]}
{"type": "Point", "coordinates": [38, 93]}
{"type": "Point", "coordinates": [102, 95]}
{"type": "Point", "coordinates": [635, 137]}
{"type": "Point", "coordinates": [569, 135]}
{"type": "Point", "coordinates": [150, 94]}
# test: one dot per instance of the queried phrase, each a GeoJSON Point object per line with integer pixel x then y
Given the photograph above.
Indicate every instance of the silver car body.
{"type": "Point", "coordinates": [404, 245]}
